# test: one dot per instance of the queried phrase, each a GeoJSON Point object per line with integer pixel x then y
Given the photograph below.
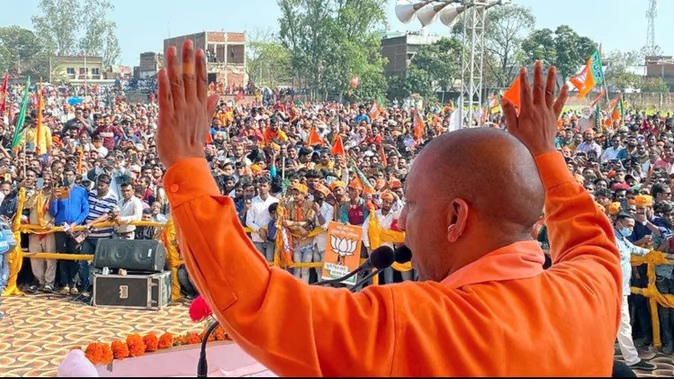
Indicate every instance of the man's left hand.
{"type": "Point", "coordinates": [185, 110]}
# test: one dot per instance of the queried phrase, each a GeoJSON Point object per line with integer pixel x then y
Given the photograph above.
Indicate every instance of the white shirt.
{"type": "Point", "coordinates": [258, 215]}
{"type": "Point", "coordinates": [129, 210]}
{"type": "Point", "coordinates": [385, 222]}
{"type": "Point", "coordinates": [321, 240]}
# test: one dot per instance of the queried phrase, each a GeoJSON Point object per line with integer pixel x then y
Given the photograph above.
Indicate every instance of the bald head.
{"type": "Point", "coordinates": [491, 170]}
{"type": "Point", "coordinates": [469, 193]}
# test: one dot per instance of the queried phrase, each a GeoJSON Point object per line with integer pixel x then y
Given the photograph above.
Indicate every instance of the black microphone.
{"type": "Point", "coordinates": [403, 254]}
{"type": "Point", "coordinates": [381, 257]}
{"type": "Point", "coordinates": [202, 366]}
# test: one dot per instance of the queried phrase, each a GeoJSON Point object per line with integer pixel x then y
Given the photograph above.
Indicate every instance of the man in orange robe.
{"type": "Point", "coordinates": [484, 305]}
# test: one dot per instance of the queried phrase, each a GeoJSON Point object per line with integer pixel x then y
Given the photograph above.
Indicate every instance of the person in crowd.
{"type": "Point", "coordinates": [38, 203]}
{"type": "Point", "coordinates": [258, 217]}
{"type": "Point", "coordinates": [130, 209]}
{"type": "Point", "coordinates": [70, 208]}
{"type": "Point", "coordinates": [102, 204]}
{"type": "Point", "coordinates": [624, 227]}
{"type": "Point", "coordinates": [385, 217]}
{"type": "Point", "coordinates": [300, 219]}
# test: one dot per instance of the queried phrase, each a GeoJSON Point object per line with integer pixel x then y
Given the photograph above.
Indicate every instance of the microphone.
{"type": "Point", "coordinates": [403, 254]}
{"type": "Point", "coordinates": [380, 258]}
{"type": "Point", "coordinates": [202, 366]}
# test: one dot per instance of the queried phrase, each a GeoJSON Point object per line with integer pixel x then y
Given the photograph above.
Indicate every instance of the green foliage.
{"type": "Point", "coordinates": [269, 63]}
{"type": "Point", "coordinates": [505, 29]}
{"type": "Point", "coordinates": [68, 27]}
{"type": "Point", "coordinates": [563, 48]}
{"type": "Point", "coordinates": [22, 52]}
{"type": "Point", "coordinates": [653, 85]}
{"type": "Point", "coordinates": [617, 75]}
{"type": "Point", "coordinates": [331, 40]}
{"type": "Point", "coordinates": [434, 68]}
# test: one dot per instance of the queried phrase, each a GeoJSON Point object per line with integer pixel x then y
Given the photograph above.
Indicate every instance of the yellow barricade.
{"type": "Point", "coordinates": [168, 237]}
{"type": "Point", "coordinates": [652, 259]}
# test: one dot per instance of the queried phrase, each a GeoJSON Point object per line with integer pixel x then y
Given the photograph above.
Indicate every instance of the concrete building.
{"type": "Point", "coordinates": [400, 48]}
{"type": "Point", "coordinates": [76, 69]}
{"type": "Point", "coordinates": [226, 54]}
{"type": "Point", "coordinates": [661, 67]}
{"type": "Point", "coordinates": [150, 63]}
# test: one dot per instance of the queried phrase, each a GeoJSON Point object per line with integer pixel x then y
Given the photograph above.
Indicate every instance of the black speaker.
{"type": "Point", "coordinates": [148, 291]}
{"type": "Point", "coordinates": [131, 255]}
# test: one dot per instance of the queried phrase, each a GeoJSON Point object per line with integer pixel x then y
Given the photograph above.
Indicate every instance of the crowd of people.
{"type": "Point", "coordinates": [96, 161]}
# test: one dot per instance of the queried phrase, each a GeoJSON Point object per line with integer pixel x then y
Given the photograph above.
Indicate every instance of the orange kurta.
{"type": "Point", "coordinates": [499, 316]}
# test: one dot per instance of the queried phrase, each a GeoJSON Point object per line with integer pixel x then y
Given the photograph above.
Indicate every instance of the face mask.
{"type": "Point", "coordinates": [67, 182]}
{"type": "Point", "coordinates": [626, 232]}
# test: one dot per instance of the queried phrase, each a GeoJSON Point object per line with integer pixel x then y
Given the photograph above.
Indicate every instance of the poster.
{"type": "Point", "coordinates": [342, 253]}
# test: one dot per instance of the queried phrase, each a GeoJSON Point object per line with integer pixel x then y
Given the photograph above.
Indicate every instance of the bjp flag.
{"type": "Point", "coordinates": [591, 75]}
{"type": "Point", "coordinates": [342, 253]}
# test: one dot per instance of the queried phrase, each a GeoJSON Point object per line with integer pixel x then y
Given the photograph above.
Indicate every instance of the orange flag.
{"type": "Point", "coordinates": [382, 156]}
{"type": "Point", "coordinates": [513, 94]}
{"type": "Point", "coordinates": [338, 147]}
{"type": "Point", "coordinates": [209, 137]}
{"type": "Point", "coordinates": [314, 139]}
{"type": "Point", "coordinates": [418, 125]}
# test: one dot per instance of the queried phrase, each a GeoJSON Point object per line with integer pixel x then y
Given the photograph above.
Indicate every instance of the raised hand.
{"type": "Point", "coordinates": [536, 124]}
{"type": "Point", "coordinates": [185, 110]}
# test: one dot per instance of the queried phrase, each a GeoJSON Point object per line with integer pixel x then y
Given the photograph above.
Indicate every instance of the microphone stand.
{"type": "Point", "coordinates": [365, 279]}
{"type": "Point", "coordinates": [202, 366]}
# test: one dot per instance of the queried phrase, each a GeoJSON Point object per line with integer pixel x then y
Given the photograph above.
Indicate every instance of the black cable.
{"type": "Point", "coordinates": [365, 279]}
{"type": "Point", "coordinates": [202, 366]}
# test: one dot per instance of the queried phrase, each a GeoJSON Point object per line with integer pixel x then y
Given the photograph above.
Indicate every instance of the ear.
{"type": "Point", "coordinates": [457, 219]}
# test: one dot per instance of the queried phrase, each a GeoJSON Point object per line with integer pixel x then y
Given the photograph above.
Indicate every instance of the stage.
{"type": "Point", "coordinates": [39, 330]}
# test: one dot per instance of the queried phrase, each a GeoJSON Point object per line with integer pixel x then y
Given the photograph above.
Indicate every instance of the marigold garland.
{"type": "Point", "coordinates": [166, 340]}
{"type": "Point", "coordinates": [151, 342]}
{"type": "Point", "coordinates": [107, 357]}
{"type": "Point", "coordinates": [192, 338]}
{"type": "Point", "coordinates": [94, 353]}
{"type": "Point", "coordinates": [119, 350]}
{"type": "Point", "coordinates": [136, 345]}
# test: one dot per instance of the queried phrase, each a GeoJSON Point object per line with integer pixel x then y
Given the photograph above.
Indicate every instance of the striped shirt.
{"type": "Point", "coordinates": [98, 207]}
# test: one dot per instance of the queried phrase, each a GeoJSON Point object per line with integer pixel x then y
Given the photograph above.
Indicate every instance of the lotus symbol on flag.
{"type": "Point", "coordinates": [343, 247]}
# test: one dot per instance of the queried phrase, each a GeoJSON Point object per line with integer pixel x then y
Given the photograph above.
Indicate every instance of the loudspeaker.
{"type": "Point", "coordinates": [131, 255]}
{"type": "Point", "coordinates": [151, 291]}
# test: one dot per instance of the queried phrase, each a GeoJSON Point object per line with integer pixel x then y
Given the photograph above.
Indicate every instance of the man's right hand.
{"type": "Point", "coordinates": [536, 124]}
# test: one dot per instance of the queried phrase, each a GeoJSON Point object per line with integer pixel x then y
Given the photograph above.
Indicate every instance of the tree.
{"type": "Point", "coordinates": [617, 74]}
{"type": "Point", "coordinates": [653, 85]}
{"type": "Point", "coordinates": [441, 61]}
{"type": "Point", "coordinates": [67, 27]}
{"type": "Point", "coordinates": [331, 40]}
{"type": "Point", "coordinates": [269, 62]}
{"type": "Point", "coordinates": [571, 50]}
{"type": "Point", "coordinates": [414, 81]}
{"type": "Point", "coordinates": [505, 29]}
{"type": "Point", "coordinates": [22, 52]}
{"type": "Point", "coordinates": [58, 25]}
{"type": "Point", "coordinates": [99, 37]}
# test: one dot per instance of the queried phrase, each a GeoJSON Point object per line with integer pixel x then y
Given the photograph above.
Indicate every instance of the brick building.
{"type": "Point", "coordinates": [226, 54]}
{"type": "Point", "coordinates": [150, 63]}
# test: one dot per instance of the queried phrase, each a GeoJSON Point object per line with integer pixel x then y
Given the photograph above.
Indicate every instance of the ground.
{"type": "Point", "coordinates": [39, 330]}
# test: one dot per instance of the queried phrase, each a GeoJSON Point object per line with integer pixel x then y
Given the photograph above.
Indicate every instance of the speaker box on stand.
{"type": "Point", "coordinates": [136, 256]}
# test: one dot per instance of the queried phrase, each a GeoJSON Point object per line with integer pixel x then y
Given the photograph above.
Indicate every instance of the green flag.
{"type": "Point", "coordinates": [22, 116]}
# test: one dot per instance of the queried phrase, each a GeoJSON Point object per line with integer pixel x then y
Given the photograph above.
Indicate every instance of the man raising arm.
{"type": "Point", "coordinates": [484, 303]}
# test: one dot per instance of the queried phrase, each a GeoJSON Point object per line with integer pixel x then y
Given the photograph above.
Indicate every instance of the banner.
{"type": "Point", "coordinates": [342, 255]}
